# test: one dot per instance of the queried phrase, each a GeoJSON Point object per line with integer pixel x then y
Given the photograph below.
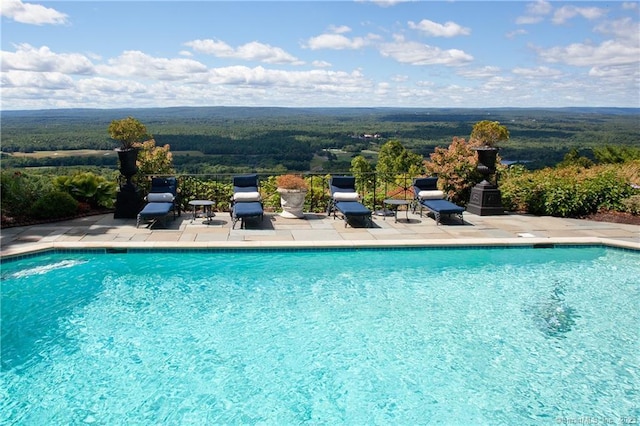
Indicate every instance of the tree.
{"type": "Point", "coordinates": [489, 133]}
{"type": "Point", "coordinates": [394, 159]}
{"type": "Point", "coordinates": [573, 158]}
{"type": "Point", "coordinates": [616, 154]}
{"type": "Point", "coordinates": [456, 169]}
{"type": "Point", "coordinates": [128, 131]}
{"type": "Point", "coordinates": [363, 172]}
{"type": "Point", "coordinates": [154, 160]}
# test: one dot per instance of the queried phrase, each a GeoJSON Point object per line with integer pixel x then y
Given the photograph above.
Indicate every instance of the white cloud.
{"type": "Point", "coordinates": [259, 76]}
{"type": "Point", "coordinates": [607, 53]}
{"type": "Point", "coordinates": [399, 78]}
{"type": "Point", "coordinates": [414, 53]}
{"type": "Point", "coordinates": [340, 29]}
{"type": "Point", "coordinates": [538, 72]}
{"type": "Point", "coordinates": [253, 51]}
{"type": "Point", "coordinates": [449, 29]}
{"type": "Point", "coordinates": [30, 13]}
{"type": "Point", "coordinates": [624, 29]}
{"type": "Point", "coordinates": [616, 73]}
{"type": "Point", "coordinates": [321, 64]}
{"type": "Point", "coordinates": [138, 64]}
{"type": "Point", "coordinates": [484, 72]}
{"type": "Point", "coordinates": [535, 12]}
{"type": "Point", "coordinates": [29, 58]}
{"type": "Point", "coordinates": [516, 33]}
{"type": "Point", "coordinates": [32, 80]}
{"type": "Point", "coordinates": [335, 42]}
{"type": "Point", "coordinates": [560, 16]}
{"type": "Point", "coordinates": [105, 85]}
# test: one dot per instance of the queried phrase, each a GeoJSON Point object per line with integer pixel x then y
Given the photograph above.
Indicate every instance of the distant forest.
{"type": "Point", "coordinates": [228, 139]}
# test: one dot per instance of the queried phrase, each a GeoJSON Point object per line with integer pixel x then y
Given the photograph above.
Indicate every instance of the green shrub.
{"type": "Point", "coordinates": [605, 190]}
{"type": "Point", "coordinates": [456, 169]}
{"type": "Point", "coordinates": [88, 188]}
{"type": "Point", "coordinates": [54, 205]}
{"type": "Point", "coordinates": [632, 205]}
{"type": "Point", "coordinates": [616, 154]}
{"type": "Point", "coordinates": [317, 196]}
{"type": "Point", "coordinates": [565, 192]}
{"type": "Point", "coordinates": [19, 190]}
{"type": "Point", "coordinates": [196, 188]}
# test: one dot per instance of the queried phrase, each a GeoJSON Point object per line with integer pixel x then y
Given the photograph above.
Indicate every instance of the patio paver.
{"type": "Point", "coordinates": [317, 230]}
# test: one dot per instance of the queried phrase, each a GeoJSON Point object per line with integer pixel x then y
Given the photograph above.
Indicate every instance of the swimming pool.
{"type": "Point", "coordinates": [406, 336]}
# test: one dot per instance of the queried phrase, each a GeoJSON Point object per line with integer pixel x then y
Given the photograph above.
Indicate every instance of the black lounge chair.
{"type": "Point", "coordinates": [346, 200]}
{"type": "Point", "coordinates": [162, 199]}
{"type": "Point", "coordinates": [246, 202]}
{"type": "Point", "coordinates": [427, 195]}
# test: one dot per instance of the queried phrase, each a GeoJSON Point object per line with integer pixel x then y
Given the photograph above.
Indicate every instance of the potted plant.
{"type": "Point", "coordinates": [292, 190]}
{"type": "Point", "coordinates": [129, 132]}
{"type": "Point", "coordinates": [486, 198]}
{"type": "Point", "coordinates": [487, 134]}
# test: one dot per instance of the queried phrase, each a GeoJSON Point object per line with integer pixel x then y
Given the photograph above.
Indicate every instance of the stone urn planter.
{"type": "Point", "coordinates": [292, 190]}
{"type": "Point", "coordinates": [292, 202]}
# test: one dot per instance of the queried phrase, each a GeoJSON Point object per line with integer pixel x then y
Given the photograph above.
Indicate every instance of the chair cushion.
{"type": "Point", "coordinates": [352, 208]}
{"type": "Point", "coordinates": [247, 209]}
{"type": "Point", "coordinates": [346, 196]}
{"type": "Point", "coordinates": [344, 183]}
{"type": "Point", "coordinates": [162, 197]}
{"type": "Point", "coordinates": [246, 196]}
{"type": "Point", "coordinates": [442, 206]}
{"type": "Point", "coordinates": [431, 195]}
{"type": "Point", "coordinates": [245, 189]}
{"type": "Point", "coordinates": [156, 209]}
{"type": "Point", "coordinates": [161, 185]}
{"type": "Point", "coordinates": [246, 181]}
{"type": "Point", "coordinates": [426, 184]}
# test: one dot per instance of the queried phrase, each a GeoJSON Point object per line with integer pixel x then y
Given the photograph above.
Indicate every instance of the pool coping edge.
{"type": "Point", "coordinates": [274, 245]}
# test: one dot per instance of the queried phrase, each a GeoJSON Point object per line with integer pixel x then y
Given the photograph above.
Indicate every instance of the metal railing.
{"type": "Point", "coordinates": [218, 187]}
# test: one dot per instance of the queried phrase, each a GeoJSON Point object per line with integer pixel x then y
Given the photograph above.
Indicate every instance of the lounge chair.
{"type": "Point", "coordinates": [427, 195]}
{"type": "Point", "coordinates": [162, 199]}
{"type": "Point", "coordinates": [246, 202]}
{"type": "Point", "coordinates": [346, 200]}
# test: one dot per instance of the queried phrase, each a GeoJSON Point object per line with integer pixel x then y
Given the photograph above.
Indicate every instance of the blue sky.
{"type": "Point", "coordinates": [112, 54]}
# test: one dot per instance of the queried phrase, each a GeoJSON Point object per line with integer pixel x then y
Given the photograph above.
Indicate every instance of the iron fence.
{"type": "Point", "coordinates": [218, 187]}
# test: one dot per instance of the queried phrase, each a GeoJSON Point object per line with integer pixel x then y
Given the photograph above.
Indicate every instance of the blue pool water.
{"type": "Point", "coordinates": [439, 336]}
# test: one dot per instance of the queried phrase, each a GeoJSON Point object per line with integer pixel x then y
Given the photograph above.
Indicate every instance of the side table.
{"type": "Point", "coordinates": [394, 204]}
{"type": "Point", "coordinates": [207, 209]}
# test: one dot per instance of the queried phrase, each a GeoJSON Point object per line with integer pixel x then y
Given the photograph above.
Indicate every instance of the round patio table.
{"type": "Point", "coordinates": [207, 209]}
{"type": "Point", "coordinates": [395, 204]}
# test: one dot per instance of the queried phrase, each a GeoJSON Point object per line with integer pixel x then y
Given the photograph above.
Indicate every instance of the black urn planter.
{"type": "Point", "coordinates": [486, 199]}
{"type": "Point", "coordinates": [129, 200]}
{"type": "Point", "coordinates": [487, 161]}
{"type": "Point", "coordinates": [128, 166]}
